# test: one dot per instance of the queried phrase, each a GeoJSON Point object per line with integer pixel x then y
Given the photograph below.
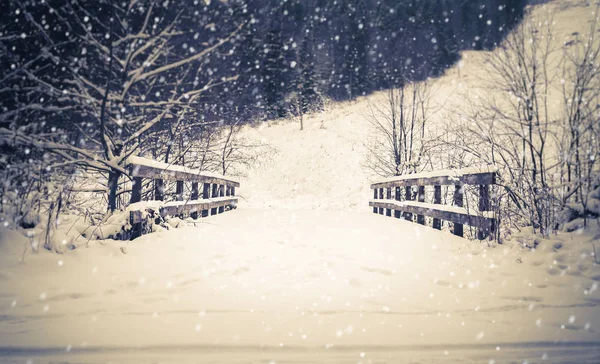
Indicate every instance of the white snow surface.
{"type": "Point", "coordinates": [320, 167]}
{"type": "Point", "coordinates": [339, 283]}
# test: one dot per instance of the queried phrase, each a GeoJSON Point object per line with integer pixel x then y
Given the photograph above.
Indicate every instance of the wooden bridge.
{"type": "Point", "coordinates": [218, 192]}
{"type": "Point", "coordinates": [404, 195]}
{"type": "Point", "coordinates": [403, 203]}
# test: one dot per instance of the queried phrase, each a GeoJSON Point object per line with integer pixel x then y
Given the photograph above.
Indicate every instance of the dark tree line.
{"type": "Point", "coordinates": [337, 49]}
{"type": "Point", "coordinates": [348, 48]}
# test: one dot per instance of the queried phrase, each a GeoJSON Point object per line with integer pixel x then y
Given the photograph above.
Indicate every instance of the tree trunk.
{"type": "Point", "coordinates": [113, 183]}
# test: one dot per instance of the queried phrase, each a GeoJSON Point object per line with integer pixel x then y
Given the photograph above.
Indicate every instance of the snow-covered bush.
{"type": "Point", "coordinates": [575, 215]}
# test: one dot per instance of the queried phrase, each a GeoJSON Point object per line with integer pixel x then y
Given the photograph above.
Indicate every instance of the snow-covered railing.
{"type": "Point", "coordinates": [403, 202]}
{"type": "Point", "coordinates": [218, 192]}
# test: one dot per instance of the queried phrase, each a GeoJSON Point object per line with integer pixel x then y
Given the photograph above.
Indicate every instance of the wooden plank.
{"type": "Point", "coordinates": [484, 178]}
{"type": "Point", "coordinates": [381, 198]}
{"type": "Point", "coordinates": [221, 194]}
{"type": "Point", "coordinates": [388, 212]}
{"type": "Point", "coordinates": [375, 198]}
{"type": "Point", "coordinates": [136, 216]}
{"type": "Point", "coordinates": [407, 197]}
{"type": "Point", "coordinates": [196, 205]}
{"type": "Point", "coordinates": [195, 193]}
{"type": "Point", "coordinates": [179, 191]}
{"type": "Point", "coordinates": [159, 190]}
{"type": "Point", "coordinates": [484, 205]}
{"type": "Point", "coordinates": [437, 199]}
{"type": "Point", "coordinates": [421, 198]}
{"type": "Point", "coordinates": [136, 190]}
{"type": "Point", "coordinates": [169, 175]}
{"type": "Point", "coordinates": [429, 210]}
{"type": "Point", "coordinates": [397, 212]}
{"type": "Point", "coordinates": [215, 193]}
{"type": "Point", "coordinates": [136, 220]}
{"type": "Point", "coordinates": [205, 196]}
{"type": "Point", "coordinates": [194, 196]}
{"type": "Point", "coordinates": [458, 199]}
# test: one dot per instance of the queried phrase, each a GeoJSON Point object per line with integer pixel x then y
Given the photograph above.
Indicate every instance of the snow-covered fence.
{"type": "Point", "coordinates": [403, 202]}
{"type": "Point", "coordinates": [218, 192]}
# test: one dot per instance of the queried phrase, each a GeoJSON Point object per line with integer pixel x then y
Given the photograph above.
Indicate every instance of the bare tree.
{"type": "Point", "coordinates": [399, 142]}
{"type": "Point", "coordinates": [510, 125]}
{"type": "Point", "coordinates": [111, 73]}
{"type": "Point", "coordinates": [547, 159]}
{"type": "Point", "coordinates": [580, 144]}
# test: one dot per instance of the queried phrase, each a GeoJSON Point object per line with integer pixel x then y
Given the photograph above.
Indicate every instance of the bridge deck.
{"type": "Point", "coordinates": [297, 279]}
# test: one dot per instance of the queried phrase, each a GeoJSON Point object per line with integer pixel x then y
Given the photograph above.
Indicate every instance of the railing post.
{"type": "Point", "coordinates": [232, 194]}
{"type": "Point", "coordinates": [484, 206]}
{"type": "Point", "coordinates": [221, 194]}
{"type": "Point", "coordinates": [437, 199]}
{"type": "Point", "coordinates": [421, 197]}
{"type": "Point", "coordinates": [205, 196]}
{"type": "Point", "coordinates": [381, 197]}
{"type": "Point", "coordinates": [388, 212]}
{"type": "Point", "coordinates": [137, 224]}
{"type": "Point", "coordinates": [179, 191]}
{"type": "Point", "coordinates": [193, 197]}
{"type": "Point", "coordinates": [228, 193]}
{"type": "Point", "coordinates": [408, 197]}
{"type": "Point", "coordinates": [458, 201]}
{"type": "Point", "coordinates": [397, 213]}
{"type": "Point", "coordinates": [159, 189]}
{"type": "Point", "coordinates": [375, 198]}
{"type": "Point", "coordinates": [136, 190]}
{"type": "Point", "coordinates": [215, 193]}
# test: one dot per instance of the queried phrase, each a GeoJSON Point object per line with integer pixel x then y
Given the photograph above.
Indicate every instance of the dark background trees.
{"type": "Point", "coordinates": [350, 48]}
{"type": "Point", "coordinates": [346, 48]}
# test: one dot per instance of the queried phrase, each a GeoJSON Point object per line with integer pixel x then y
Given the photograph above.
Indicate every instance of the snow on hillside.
{"type": "Point", "coordinates": [323, 166]}
{"type": "Point", "coordinates": [320, 167]}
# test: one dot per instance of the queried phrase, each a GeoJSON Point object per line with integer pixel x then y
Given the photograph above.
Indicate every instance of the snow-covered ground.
{"type": "Point", "coordinates": [318, 285]}
{"type": "Point", "coordinates": [302, 272]}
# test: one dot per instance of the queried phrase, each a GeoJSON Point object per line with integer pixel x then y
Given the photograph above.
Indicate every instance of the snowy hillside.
{"type": "Point", "coordinates": [323, 166]}
{"type": "Point", "coordinates": [320, 167]}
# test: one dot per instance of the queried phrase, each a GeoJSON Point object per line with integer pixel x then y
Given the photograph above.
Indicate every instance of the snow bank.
{"type": "Point", "coordinates": [11, 242]}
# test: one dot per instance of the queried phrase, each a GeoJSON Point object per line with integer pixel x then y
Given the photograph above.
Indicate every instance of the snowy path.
{"type": "Point", "coordinates": [302, 284]}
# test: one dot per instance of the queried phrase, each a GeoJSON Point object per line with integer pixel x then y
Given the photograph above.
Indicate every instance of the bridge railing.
{"type": "Point", "coordinates": [397, 194]}
{"type": "Point", "coordinates": [218, 192]}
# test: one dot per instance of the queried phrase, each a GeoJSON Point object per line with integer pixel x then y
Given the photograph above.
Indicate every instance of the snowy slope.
{"type": "Point", "coordinates": [319, 167]}
{"type": "Point", "coordinates": [324, 168]}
